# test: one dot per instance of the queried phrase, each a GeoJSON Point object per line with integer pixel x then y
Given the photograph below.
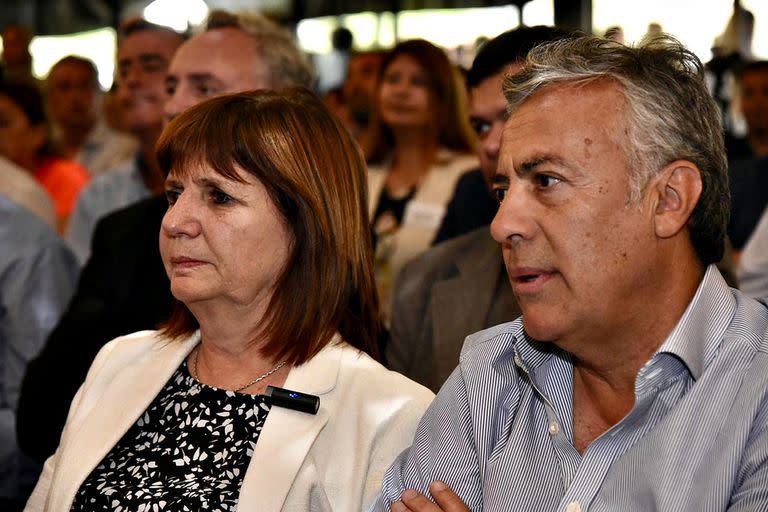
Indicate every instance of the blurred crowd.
{"type": "Point", "coordinates": [82, 196]}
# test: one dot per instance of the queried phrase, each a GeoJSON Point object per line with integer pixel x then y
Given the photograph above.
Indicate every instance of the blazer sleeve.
{"type": "Point", "coordinates": [39, 497]}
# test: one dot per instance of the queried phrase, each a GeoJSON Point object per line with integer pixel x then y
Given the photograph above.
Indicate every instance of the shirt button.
{"type": "Point", "coordinates": [554, 428]}
{"type": "Point", "coordinates": [573, 507]}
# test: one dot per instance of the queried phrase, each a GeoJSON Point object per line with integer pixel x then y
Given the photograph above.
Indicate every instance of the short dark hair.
{"type": "Point", "coordinates": [80, 61]}
{"type": "Point", "coordinates": [28, 98]}
{"type": "Point", "coordinates": [316, 177]}
{"type": "Point", "coordinates": [508, 48]}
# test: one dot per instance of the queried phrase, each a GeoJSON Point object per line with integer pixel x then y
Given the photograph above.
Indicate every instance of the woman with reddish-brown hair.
{"type": "Point", "coordinates": [260, 392]}
{"type": "Point", "coordinates": [420, 142]}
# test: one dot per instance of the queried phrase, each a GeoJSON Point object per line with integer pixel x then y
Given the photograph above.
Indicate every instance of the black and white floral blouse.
{"type": "Point", "coordinates": [188, 451]}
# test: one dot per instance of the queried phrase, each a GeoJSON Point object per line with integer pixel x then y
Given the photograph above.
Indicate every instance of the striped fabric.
{"type": "Point", "coordinates": [500, 430]}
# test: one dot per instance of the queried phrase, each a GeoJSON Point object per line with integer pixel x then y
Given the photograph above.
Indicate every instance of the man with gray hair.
{"type": "Point", "coordinates": [235, 53]}
{"type": "Point", "coordinates": [636, 379]}
{"type": "Point", "coordinates": [123, 288]}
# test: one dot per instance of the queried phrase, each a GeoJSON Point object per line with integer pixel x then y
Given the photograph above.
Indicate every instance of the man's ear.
{"type": "Point", "coordinates": [678, 188]}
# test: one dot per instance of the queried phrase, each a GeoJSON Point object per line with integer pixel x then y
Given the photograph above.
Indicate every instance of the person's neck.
{"type": "Point", "coordinates": [608, 358]}
{"type": "Point", "coordinates": [412, 156]}
{"type": "Point", "coordinates": [230, 352]}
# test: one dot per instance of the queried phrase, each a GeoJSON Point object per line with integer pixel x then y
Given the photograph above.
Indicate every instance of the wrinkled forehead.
{"type": "Point", "coordinates": [228, 55]}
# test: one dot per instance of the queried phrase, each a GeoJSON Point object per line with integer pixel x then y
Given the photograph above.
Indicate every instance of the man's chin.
{"type": "Point", "coordinates": [540, 326]}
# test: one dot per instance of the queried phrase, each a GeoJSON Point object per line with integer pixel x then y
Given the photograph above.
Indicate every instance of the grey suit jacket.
{"type": "Point", "coordinates": [455, 289]}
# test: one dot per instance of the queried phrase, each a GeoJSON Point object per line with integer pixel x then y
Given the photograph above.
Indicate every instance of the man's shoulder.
{"type": "Point", "coordinates": [361, 370]}
{"type": "Point", "coordinates": [26, 233]}
{"type": "Point", "coordinates": [443, 259]}
{"type": "Point", "coordinates": [137, 218]}
{"type": "Point", "coordinates": [749, 327]}
{"type": "Point", "coordinates": [111, 189]}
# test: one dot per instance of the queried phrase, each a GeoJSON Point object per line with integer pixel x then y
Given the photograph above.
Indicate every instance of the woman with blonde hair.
{"type": "Point", "coordinates": [259, 393]}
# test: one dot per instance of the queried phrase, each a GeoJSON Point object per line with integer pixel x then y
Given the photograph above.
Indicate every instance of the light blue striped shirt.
{"type": "Point", "coordinates": [500, 432]}
{"type": "Point", "coordinates": [38, 274]}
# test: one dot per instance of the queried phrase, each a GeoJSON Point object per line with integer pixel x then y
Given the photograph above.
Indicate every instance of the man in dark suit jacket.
{"type": "Point", "coordinates": [460, 286]}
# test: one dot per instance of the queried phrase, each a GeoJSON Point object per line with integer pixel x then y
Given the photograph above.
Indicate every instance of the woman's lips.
{"type": "Point", "coordinates": [185, 262]}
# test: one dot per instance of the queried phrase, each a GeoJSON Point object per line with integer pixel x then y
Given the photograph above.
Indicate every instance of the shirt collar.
{"type": "Point", "coordinates": [698, 334]}
{"type": "Point", "coordinates": [694, 340]}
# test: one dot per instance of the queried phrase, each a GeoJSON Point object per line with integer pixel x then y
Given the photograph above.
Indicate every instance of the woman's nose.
{"type": "Point", "coordinates": [181, 219]}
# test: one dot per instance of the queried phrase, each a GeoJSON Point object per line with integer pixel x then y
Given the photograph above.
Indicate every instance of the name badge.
{"type": "Point", "coordinates": [423, 214]}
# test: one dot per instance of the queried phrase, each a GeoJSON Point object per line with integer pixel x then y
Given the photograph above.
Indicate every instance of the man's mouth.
{"type": "Point", "coordinates": [529, 280]}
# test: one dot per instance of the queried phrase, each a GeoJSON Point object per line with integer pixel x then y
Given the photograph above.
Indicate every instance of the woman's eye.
{"type": "Point", "coordinates": [220, 197]}
{"type": "Point", "coordinates": [499, 193]}
{"type": "Point", "coordinates": [172, 196]}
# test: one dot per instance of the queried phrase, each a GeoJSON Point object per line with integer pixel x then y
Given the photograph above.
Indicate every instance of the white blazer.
{"type": "Point", "coordinates": [422, 217]}
{"type": "Point", "coordinates": [332, 461]}
{"type": "Point", "coordinates": [424, 213]}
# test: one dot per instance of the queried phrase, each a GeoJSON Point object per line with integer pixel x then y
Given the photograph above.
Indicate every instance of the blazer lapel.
{"type": "Point", "coordinates": [467, 298]}
{"type": "Point", "coordinates": [288, 435]}
{"type": "Point", "coordinates": [126, 397]}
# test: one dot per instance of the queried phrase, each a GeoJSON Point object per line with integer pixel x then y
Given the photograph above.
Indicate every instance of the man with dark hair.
{"type": "Point", "coordinates": [472, 206]}
{"type": "Point", "coordinates": [74, 102]}
{"type": "Point", "coordinates": [358, 92]}
{"type": "Point", "coordinates": [749, 173]}
{"type": "Point", "coordinates": [144, 52]}
{"type": "Point", "coordinates": [636, 379]}
{"type": "Point", "coordinates": [459, 287]}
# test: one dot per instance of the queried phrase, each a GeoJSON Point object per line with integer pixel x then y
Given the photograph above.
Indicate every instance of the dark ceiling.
{"type": "Point", "coordinates": [51, 17]}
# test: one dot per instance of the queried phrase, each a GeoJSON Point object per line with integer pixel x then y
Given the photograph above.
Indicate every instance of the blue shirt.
{"type": "Point", "coordinates": [500, 432]}
{"type": "Point", "coordinates": [104, 194]}
{"type": "Point", "coordinates": [38, 274]}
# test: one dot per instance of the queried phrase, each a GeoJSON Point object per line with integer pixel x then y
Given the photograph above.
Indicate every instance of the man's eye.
{"type": "Point", "coordinates": [546, 181]}
{"type": "Point", "coordinates": [220, 197]}
{"type": "Point", "coordinates": [480, 127]}
{"type": "Point", "coordinates": [499, 193]}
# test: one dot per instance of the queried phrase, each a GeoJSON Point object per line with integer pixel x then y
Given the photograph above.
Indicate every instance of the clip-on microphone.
{"type": "Point", "coordinates": [293, 400]}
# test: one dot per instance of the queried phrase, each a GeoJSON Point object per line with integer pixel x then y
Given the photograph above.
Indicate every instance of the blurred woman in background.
{"type": "Point", "coordinates": [267, 245]}
{"type": "Point", "coordinates": [420, 142]}
{"type": "Point", "coordinates": [25, 139]}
